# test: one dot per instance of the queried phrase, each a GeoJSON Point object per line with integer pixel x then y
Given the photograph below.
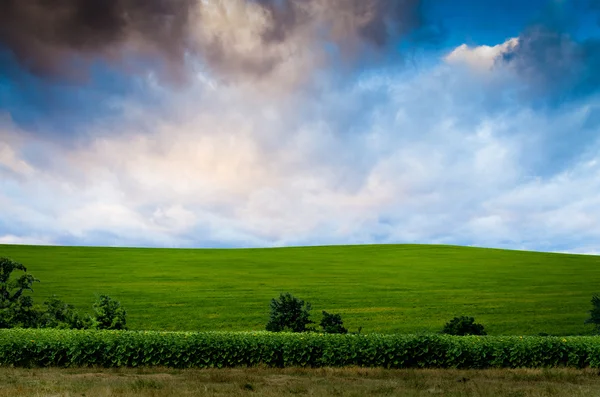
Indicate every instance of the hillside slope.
{"type": "Point", "coordinates": [383, 288]}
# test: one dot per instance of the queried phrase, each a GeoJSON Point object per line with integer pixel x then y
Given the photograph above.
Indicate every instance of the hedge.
{"type": "Point", "coordinates": [64, 348]}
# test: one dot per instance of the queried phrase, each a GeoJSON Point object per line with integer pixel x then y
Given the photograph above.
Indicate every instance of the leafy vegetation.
{"type": "Point", "coordinates": [18, 310]}
{"type": "Point", "coordinates": [292, 314]}
{"type": "Point", "coordinates": [332, 324]}
{"type": "Point", "coordinates": [108, 314]}
{"type": "Point", "coordinates": [35, 347]}
{"type": "Point", "coordinates": [59, 314]}
{"type": "Point", "coordinates": [595, 313]}
{"type": "Point", "coordinates": [289, 313]}
{"type": "Point", "coordinates": [462, 326]}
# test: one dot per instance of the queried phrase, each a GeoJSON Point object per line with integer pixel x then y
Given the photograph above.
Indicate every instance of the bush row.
{"type": "Point", "coordinates": [37, 347]}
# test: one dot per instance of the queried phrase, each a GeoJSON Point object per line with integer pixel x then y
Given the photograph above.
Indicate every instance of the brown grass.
{"type": "Point", "coordinates": [257, 382]}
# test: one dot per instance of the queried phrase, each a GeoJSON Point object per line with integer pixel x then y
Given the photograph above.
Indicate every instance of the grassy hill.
{"type": "Point", "coordinates": [383, 288]}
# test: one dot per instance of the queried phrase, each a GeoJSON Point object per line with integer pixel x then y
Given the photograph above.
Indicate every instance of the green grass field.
{"type": "Point", "coordinates": [386, 288]}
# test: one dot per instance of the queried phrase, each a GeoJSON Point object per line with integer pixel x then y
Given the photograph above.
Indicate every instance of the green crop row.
{"type": "Point", "coordinates": [35, 347]}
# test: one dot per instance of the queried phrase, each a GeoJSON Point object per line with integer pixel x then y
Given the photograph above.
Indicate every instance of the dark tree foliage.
{"type": "Point", "coordinates": [595, 313]}
{"type": "Point", "coordinates": [463, 326]}
{"type": "Point", "coordinates": [59, 314]}
{"type": "Point", "coordinates": [108, 314]}
{"type": "Point", "coordinates": [12, 288]}
{"type": "Point", "coordinates": [15, 308]}
{"type": "Point", "coordinates": [332, 324]}
{"type": "Point", "coordinates": [18, 310]}
{"type": "Point", "coordinates": [21, 314]}
{"type": "Point", "coordinates": [289, 313]}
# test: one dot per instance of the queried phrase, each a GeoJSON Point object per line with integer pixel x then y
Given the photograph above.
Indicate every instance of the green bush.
{"type": "Point", "coordinates": [289, 313]}
{"type": "Point", "coordinates": [108, 314]}
{"type": "Point", "coordinates": [462, 326]}
{"type": "Point", "coordinates": [595, 313]}
{"type": "Point", "coordinates": [332, 324]}
{"type": "Point", "coordinates": [58, 314]}
{"type": "Point", "coordinates": [52, 347]}
{"type": "Point", "coordinates": [21, 313]}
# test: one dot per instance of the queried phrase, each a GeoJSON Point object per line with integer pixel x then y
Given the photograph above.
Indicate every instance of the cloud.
{"type": "Point", "coordinates": [285, 43]}
{"type": "Point", "coordinates": [480, 58]}
{"type": "Point", "coordinates": [63, 40]}
{"type": "Point", "coordinates": [231, 168]}
{"type": "Point", "coordinates": [553, 63]}
{"type": "Point", "coordinates": [543, 66]}
{"type": "Point", "coordinates": [556, 57]}
{"type": "Point", "coordinates": [15, 240]}
{"type": "Point", "coordinates": [76, 62]}
{"type": "Point", "coordinates": [272, 142]}
{"type": "Point", "coordinates": [11, 164]}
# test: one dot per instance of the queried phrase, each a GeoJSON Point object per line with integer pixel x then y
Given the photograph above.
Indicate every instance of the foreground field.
{"type": "Point", "coordinates": [391, 289]}
{"type": "Point", "coordinates": [294, 382]}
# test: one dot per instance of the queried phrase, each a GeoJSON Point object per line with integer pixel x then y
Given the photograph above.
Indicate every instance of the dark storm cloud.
{"type": "Point", "coordinates": [384, 19]}
{"type": "Point", "coordinates": [64, 63]}
{"type": "Point", "coordinates": [555, 61]}
{"type": "Point", "coordinates": [56, 38]}
{"type": "Point", "coordinates": [304, 27]}
{"type": "Point", "coordinates": [552, 61]}
{"type": "Point", "coordinates": [390, 18]}
{"type": "Point", "coordinates": [61, 38]}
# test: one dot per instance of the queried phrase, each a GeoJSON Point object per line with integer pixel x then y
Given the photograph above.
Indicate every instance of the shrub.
{"type": "Point", "coordinates": [59, 314]}
{"type": "Point", "coordinates": [595, 313]}
{"type": "Point", "coordinates": [289, 313]}
{"type": "Point", "coordinates": [52, 347]}
{"type": "Point", "coordinates": [21, 314]}
{"type": "Point", "coordinates": [462, 326]}
{"type": "Point", "coordinates": [332, 324]}
{"type": "Point", "coordinates": [108, 314]}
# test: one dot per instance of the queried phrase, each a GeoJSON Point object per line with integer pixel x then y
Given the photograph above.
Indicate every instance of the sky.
{"type": "Point", "coordinates": [267, 123]}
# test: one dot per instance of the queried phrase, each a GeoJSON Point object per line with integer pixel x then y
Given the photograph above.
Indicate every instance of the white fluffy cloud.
{"type": "Point", "coordinates": [481, 58]}
{"type": "Point", "coordinates": [415, 156]}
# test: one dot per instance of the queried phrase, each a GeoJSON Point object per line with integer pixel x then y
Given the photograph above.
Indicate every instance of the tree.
{"type": "Point", "coordinates": [463, 326]}
{"type": "Point", "coordinates": [15, 308]}
{"type": "Point", "coordinates": [595, 313]}
{"type": "Point", "coordinates": [59, 314]}
{"type": "Point", "coordinates": [289, 313]}
{"type": "Point", "coordinates": [108, 314]}
{"type": "Point", "coordinates": [22, 314]}
{"type": "Point", "coordinates": [332, 324]}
